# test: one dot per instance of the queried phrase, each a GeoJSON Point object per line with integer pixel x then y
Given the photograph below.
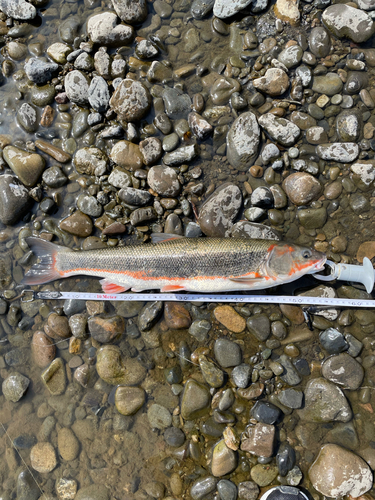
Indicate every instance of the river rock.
{"type": "Point", "coordinates": [15, 201]}
{"type": "Point", "coordinates": [90, 161]}
{"type": "Point", "coordinates": [290, 56]}
{"type": "Point", "coordinates": [199, 126]}
{"type": "Point", "coordinates": [177, 104]}
{"type": "Point", "coordinates": [93, 492]}
{"type": "Point", "coordinates": [164, 181]}
{"type": "Point", "coordinates": [341, 152]}
{"type": "Point", "coordinates": [281, 130]}
{"type": "Point", "coordinates": [54, 377]}
{"type": "Point", "coordinates": [176, 316]}
{"type": "Point", "coordinates": [203, 487]}
{"type": "Point", "coordinates": [224, 460]}
{"type": "Point", "coordinates": [344, 371]}
{"type": "Point", "coordinates": [227, 353]}
{"type": "Point", "coordinates": [246, 229]}
{"type": "Point", "coordinates": [274, 83]}
{"type": "Point", "coordinates": [15, 386]}
{"type": "Point", "coordinates": [131, 100]}
{"type": "Point", "coordinates": [220, 210]}
{"type": "Point", "coordinates": [78, 224]}
{"type": "Point", "coordinates": [27, 166]}
{"type": "Point", "coordinates": [43, 457]}
{"type": "Point", "coordinates": [184, 154]}
{"type": "Point", "coordinates": [288, 11]}
{"type": "Point", "coordinates": [38, 71]}
{"type": "Point", "coordinates": [27, 117]}
{"type": "Point", "coordinates": [77, 87]}
{"type": "Point", "coordinates": [126, 155]}
{"type": "Point", "coordinates": [224, 9]}
{"type": "Point", "coordinates": [338, 472]}
{"type": "Point", "coordinates": [104, 30]}
{"type": "Point", "coordinates": [349, 125]}
{"type": "Point", "coordinates": [243, 141]}
{"type": "Point", "coordinates": [228, 317]}
{"type": "Point", "coordinates": [136, 197]}
{"type": "Point", "coordinates": [324, 402]}
{"type": "Point", "coordinates": [18, 9]}
{"type": "Point", "coordinates": [43, 349]}
{"type": "Point", "coordinates": [159, 417]}
{"type": "Point", "coordinates": [27, 489]}
{"type": "Point", "coordinates": [364, 171]}
{"type": "Point", "coordinates": [98, 94]}
{"type": "Point", "coordinates": [67, 444]}
{"type": "Point", "coordinates": [302, 188]}
{"type": "Point", "coordinates": [222, 89]}
{"type": "Point", "coordinates": [129, 400]}
{"type": "Point", "coordinates": [131, 11]}
{"type": "Point", "coordinates": [346, 21]}
{"type": "Point", "coordinates": [151, 150]}
{"type": "Point", "coordinates": [109, 365]}
{"type": "Point", "coordinates": [329, 84]}
{"type": "Point", "coordinates": [195, 400]}
{"type": "Point", "coordinates": [319, 42]}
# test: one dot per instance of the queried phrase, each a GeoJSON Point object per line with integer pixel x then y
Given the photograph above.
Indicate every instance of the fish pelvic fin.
{"type": "Point", "coordinates": [161, 237]}
{"type": "Point", "coordinates": [172, 288]}
{"type": "Point", "coordinates": [44, 271]}
{"type": "Point", "coordinates": [109, 287]}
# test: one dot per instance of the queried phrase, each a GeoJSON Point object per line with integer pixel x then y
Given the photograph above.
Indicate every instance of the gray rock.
{"type": "Point", "coordinates": [199, 329]}
{"type": "Point", "coordinates": [149, 315]}
{"type": "Point", "coordinates": [84, 62]}
{"type": "Point", "coordinates": [39, 71]}
{"type": "Point", "coordinates": [151, 150]}
{"type": "Point", "coordinates": [356, 81]}
{"type": "Point", "coordinates": [27, 489]}
{"type": "Point", "coordinates": [285, 459]}
{"type": "Point", "coordinates": [324, 402]}
{"type": "Point", "coordinates": [345, 21]}
{"type": "Point", "coordinates": [98, 94]}
{"type": "Point", "coordinates": [259, 325]}
{"type": "Point", "coordinates": [146, 50]}
{"type": "Point", "coordinates": [77, 87]}
{"type": "Point", "coordinates": [291, 56]}
{"type": "Point", "coordinates": [15, 201]}
{"type": "Point", "coordinates": [176, 103]}
{"type": "Point", "coordinates": [54, 177]}
{"type": "Point", "coordinates": [281, 130]}
{"type": "Point", "coordinates": [329, 84]}
{"type": "Point", "coordinates": [164, 181]}
{"type": "Point", "coordinates": [136, 197]}
{"type": "Point", "coordinates": [337, 151]}
{"type": "Point", "coordinates": [90, 161]}
{"type": "Point", "coordinates": [319, 42]}
{"type": "Point", "coordinates": [243, 141]}
{"type": "Point", "coordinates": [195, 400]}
{"type": "Point", "coordinates": [159, 417]}
{"type": "Point", "coordinates": [89, 205]}
{"type": "Point", "coordinates": [290, 375]}
{"type": "Point", "coordinates": [104, 30]}
{"type": "Point", "coordinates": [241, 375]}
{"type": "Point", "coordinates": [15, 386]}
{"type": "Point", "coordinates": [227, 490]}
{"type": "Point", "coordinates": [245, 229]}
{"type": "Point", "coordinates": [142, 216]}
{"type": "Point", "coordinates": [343, 370]}
{"type": "Point", "coordinates": [181, 155]}
{"type": "Point", "coordinates": [18, 9]}
{"type": "Point", "coordinates": [227, 353]}
{"type": "Point", "coordinates": [248, 490]}
{"type": "Point", "coordinates": [224, 9]}
{"type": "Point", "coordinates": [291, 398]}
{"type": "Point", "coordinates": [202, 487]}
{"type": "Point", "coordinates": [366, 4]}
{"type": "Point", "coordinates": [304, 74]}
{"type": "Point", "coordinates": [131, 11]}
{"type": "Point", "coordinates": [68, 29]}
{"type": "Point", "coordinates": [27, 117]}
{"type": "Point", "coordinates": [219, 210]}
{"type": "Point", "coordinates": [199, 126]}
{"type": "Point", "coordinates": [131, 100]}
{"type": "Point", "coordinates": [201, 8]}
{"type": "Point", "coordinates": [93, 492]}
{"type": "Point", "coordinates": [275, 82]}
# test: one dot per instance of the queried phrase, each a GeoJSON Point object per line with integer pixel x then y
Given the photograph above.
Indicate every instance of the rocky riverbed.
{"type": "Point", "coordinates": [229, 118]}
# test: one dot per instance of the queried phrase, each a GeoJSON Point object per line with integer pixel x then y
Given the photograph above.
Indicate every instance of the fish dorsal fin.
{"type": "Point", "coordinates": [161, 237]}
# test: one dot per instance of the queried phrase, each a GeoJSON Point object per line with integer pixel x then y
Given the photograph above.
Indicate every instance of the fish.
{"type": "Point", "coordinates": [175, 263]}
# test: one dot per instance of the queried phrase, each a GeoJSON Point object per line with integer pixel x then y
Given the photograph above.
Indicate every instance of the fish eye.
{"type": "Point", "coordinates": [306, 254]}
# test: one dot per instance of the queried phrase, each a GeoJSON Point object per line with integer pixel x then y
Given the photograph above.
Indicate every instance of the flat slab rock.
{"type": "Point", "coordinates": [224, 9]}
{"type": "Point", "coordinates": [338, 151]}
{"type": "Point", "coordinates": [281, 130]}
{"type": "Point", "coordinates": [345, 21]}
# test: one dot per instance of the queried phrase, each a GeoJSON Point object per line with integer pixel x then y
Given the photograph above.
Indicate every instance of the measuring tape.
{"type": "Point", "coordinates": [29, 295]}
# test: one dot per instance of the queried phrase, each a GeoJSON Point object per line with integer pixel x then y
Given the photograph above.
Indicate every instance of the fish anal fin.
{"type": "Point", "coordinates": [161, 237]}
{"type": "Point", "coordinates": [172, 288]}
{"type": "Point", "coordinates": [109, 287]}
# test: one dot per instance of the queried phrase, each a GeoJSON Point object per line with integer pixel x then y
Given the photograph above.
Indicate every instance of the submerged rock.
{"type": "Point", "coordinates": [243, 141]}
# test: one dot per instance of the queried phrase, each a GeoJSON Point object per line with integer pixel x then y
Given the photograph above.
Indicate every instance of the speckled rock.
{"type": "Point", "coordinates": [302, 188]}
{"type": "Point", "coordinates": [346, 21]}
{"type": "Point", "coordinates": [131, 11]}
{"type": "Point", "coordinates": [68, 444]}
{"type": "Point", "coordinates": [104, 30]}
{"type": "Point", "coordinates": [319, 42]}
{"type": "Point", "coordinates": [18, 9]}
{"type": "Point", "coordinates": [195, 400]}
{"type": "Point", "coordinates": [131, 100]}
{"type": "Point", "coordinates": [90, 161]}
{"type": "Point", "coordinates": [219, 210]}
{"type": "Point", "coordinates": [324, 402]}
{"type": "Point", "coordinates": [274, 83]}
{"type": "Point", "coordinates": [176, 316]}
{"type": "Point", "coordinates": [287, 11]}
{"type": "Point", "coordinates": [77, 87]}
{"type": "Point", "coordinates": [93, 492]}
{"type": "Point", "coordinates": [224, 9]}
{"type": "Point", "coordinates": [281, 130]}
{"type": "Point", "coordinates": [15, 386]}
{"type": "Point", "coordinates": [109, 365]}
{"type": "Point", "coordinates": [164, 181]}
{"type": "Point", "coordinates": [349, 125]}
{"type": "Point", "coordinates": [43, 457]}
{"type": "Point", "coordinates": [243, 141]}
{"type": "Point", "coordinates": [337, 151]}
{"type": "Point", "coordinates": [15, 201]}
{"type": "Point", "coordinates": [228, 317]}
{"type": "Point", "coordinates": [338, 472]}
{"type": "Point", "coordinates": [129, 400]}
{"type": "Point", "coordinates": [344, 371]}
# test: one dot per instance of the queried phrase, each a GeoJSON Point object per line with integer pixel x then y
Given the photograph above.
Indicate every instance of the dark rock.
{"type": "Point", "coordinates": [15, 201]}
{"type": "Point", "coordinates": [333, 341]}
{"type": "Point", "coordinates": [265, 412]}
{"type": "Point", "coordinates": [285, 459]}
{"type": "Point", "coordinates": [40, 72]}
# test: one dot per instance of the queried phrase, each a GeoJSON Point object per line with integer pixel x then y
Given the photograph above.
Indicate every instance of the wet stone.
{"type": "Point", "coordinates": [78, 224]}
{"type": "Point", "coordinates": [344, 371]}
{"type": "Point", "coordinates": [66, 488]}
{"type": "Point", "coordinates": [98, 94]}
{"type": "Point", "coordinates": [129, 400]}
{"type": "Point", "coordinates": [176, 103]}
{"type": "Point", "coordinates": [263, 475]}
{"type": "Point", "coordinates": [131, 100]}
{"type": "Point", "coordinates": [349, 125]}
{"type": "Point", "coordinates": [339, 472]}
{"type": "Point", "coordinates": [89, 205]}
{"type": "Point", "coordinates": [68, 444]}
{"type": "Point", "coordinates": [265, 412]}
{"type": "Point", "coordinates": [54, 177]}
{"type": "Point", "coordinates": [227, 353]}
{"type": "Point", "coordinates": [228, 317]}
{"type": "Point", "coordinates": [43, 457]}
{"type": "Point", "coordinates": [54, 377]}
{"type": "Point", "coordinates": [319, 42]}
{"type": "Point", "coordinates": [164, 181]}
{"type": "Point", "coordinates": [248, 490]}
{"type": "Point", "coordinates": [356, 81]}
{"type": "Point", "coordinates": [27, 117]}
{"type": "Point", "coordinates": [149, 315]}
{"type": "Point", "coordinates": [202, 487]}
{"type": "Point", "coordinates": [329, 84]}
{"type": "Point", "coordinates": [291, 56]}
{"type": "Point", "coordinates": [43, 349]}
{"type": "Point", "coordinates": [135, 197]}
{"type": "Point", "coordinates": [333, 341]}
{"type": "Point", "coordinates": [106, 330]}
{"type": "Point", "coordinates": [243, 141]}
{"type": "Point", "coordinates": [290, 375]}
{"type": "Point", "coordinates": [38, 71]}
{"type": "Point", "coordinates": [15, 386]}
{"type": "Point", "coordinates": [195, 400]}
{"type": "Point", "coordinates": [241, 375]}
{"type": "Point", "coordinates": [27, 166]}
{"type": "Point", "coordinates": [224, 460]}
{"type": "Point", "coordinates": [227, 490]}
{"type": "Point", "coordinates": [200, 329]}
{"type": "Point", "coordinates": [201, 8]}
{"type": "Point", "coordinates": [219, 210]}
{"type": "Point", "coordinates": [142, 216]}
{"type": "Point", "coordinates": [174, 437]}
{"type": "Point", "coordinates": [281, 130]}
{"type": "Point", "coordinates": [211, 373]}
{"type": "Point", "coordinates": [285, 458]}
{"type": "Point", "coordinates": [159, 417]}
{"type": "Point", "coordinates": [274, 83]}
{"type": "Point", "coordinates": [324, 402]}
{"type": "Point", "coordinates": [259, 325]}
{"type": "Point", "coordinates": [24, 441]}
{"type": "Point", "coordinates": [27, 489]}
{"type": "Point", "coordinates": [104, 30]}
{"type": "Point", "coordinates": [176, 316]}
{"type": "Point", "coordinates": [131, 11]}
{"type": "Point", "coordinates": [346, 21]}
{"type": "Point", "coordinates": [291, 398]}
{"type": "Point", "coordinates": [151, 150]}
{"type": "Point", "coordinates": [77, 87]}
{"type": "Point", "coordinates": [302, 188]}
{"type": "Point", "coordinates": [184, 154]}
{"type": "Point", "coordinates": [93, 492]}
{"type": "Point", "coordinates": [90, 161]}
{"type": "Point", "coordinates": [260, 440]}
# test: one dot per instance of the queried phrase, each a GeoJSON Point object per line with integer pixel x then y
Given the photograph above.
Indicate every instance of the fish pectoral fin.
{"type": "Point", "coordinates": [161, 237]}
{"type": "Point", "coordinates": [109, 287]}
{"type": "Point", "coordinates": [172, 288]}
{"type": "Point", "coordinates": [255, 276]}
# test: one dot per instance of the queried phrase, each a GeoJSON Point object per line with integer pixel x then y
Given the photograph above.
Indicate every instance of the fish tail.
{"type": "Point", "coordinates": [45, 270]}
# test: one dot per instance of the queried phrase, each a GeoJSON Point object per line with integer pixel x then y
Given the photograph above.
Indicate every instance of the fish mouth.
{"type": "Point", "coordinates": [318, 266]}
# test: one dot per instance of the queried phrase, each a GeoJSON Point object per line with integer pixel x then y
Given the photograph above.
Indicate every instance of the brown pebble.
{"type": "Point", "coordinates": [58, 326]}
{"type": "Point", "coordinates": [176, 316]}
{"type": "Point", "coordinates": [78, 224]}
{"type": "Point", "coordinates": [280, 112]}
{"type": "Point", "coordinates": [75, 347]}
{"type": "Point", "coordinates": [366, 249]}
{"type": "Point", "coordinates": [293, 313]}
{"type": "Point", "coordinates": [291, 350]}
{"type": "Point", "coordinates": [115, 228]}
{"type": "Point", "coordinates": [47, 116]}
{"type": "Point", "coordinates": [198, 352]}
{"type": "Point", "coordinates": [51, 150]}
{"type": "Point", "coordinates": [43, 349]}
{"type": "Point", "coordinates": [256, 171]}
{"type": "Point", "coordinates": [290, 43]}
{"type": "Point", "coordinates": [198, 103]}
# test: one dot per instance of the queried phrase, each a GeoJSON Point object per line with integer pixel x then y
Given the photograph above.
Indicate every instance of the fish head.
{"type": "Point", "coordinates": [288, 261]}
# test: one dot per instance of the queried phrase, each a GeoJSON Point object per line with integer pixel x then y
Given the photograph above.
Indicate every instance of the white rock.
{"type": "Point", "coordinates": [225, 8]}
{"type": "Point", "coordinates": [281, 130]}
{"type": "Point", "coordinates": [366, 172]}
{"type": "Point", "coordinates": [344, 152]}
{"type": "Point", "coordinates": [243, 141]}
